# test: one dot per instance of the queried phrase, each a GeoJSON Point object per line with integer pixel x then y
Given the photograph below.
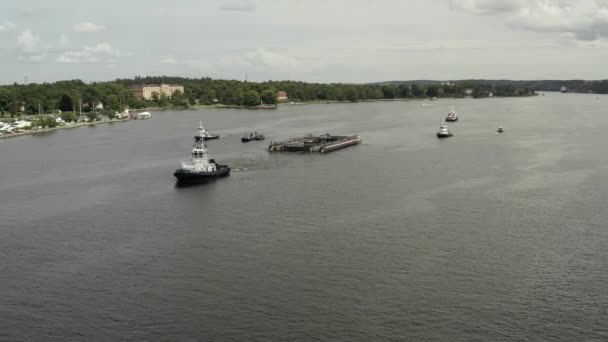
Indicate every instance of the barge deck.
{"type": "Point", "coordinates": [315, 143]}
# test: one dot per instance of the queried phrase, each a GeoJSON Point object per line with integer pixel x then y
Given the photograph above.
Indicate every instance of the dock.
{"type": "Point", "coordinates": [315, 143]}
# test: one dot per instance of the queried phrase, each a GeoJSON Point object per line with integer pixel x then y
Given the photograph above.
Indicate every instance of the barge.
{"type": "Point", "coordinates": [315, 143]}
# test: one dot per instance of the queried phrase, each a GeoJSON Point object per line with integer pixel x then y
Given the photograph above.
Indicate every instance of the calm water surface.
{"type": "Point", "coordinates": [480, 237]}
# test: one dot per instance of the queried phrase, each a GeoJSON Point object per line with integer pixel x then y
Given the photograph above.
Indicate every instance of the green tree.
{"type": "Point", "coordinates": [65, 103]}
{"type": "Point", "coordinates": [351, 94]}
{"type": "Point", "coordinates": [155, 97]}
{"type": "Point", "coordinates": [111, 103]}
{"type": "Point", "coordinates": [92, 116]}
{"type": "Point", "coordinates": [432, 91]}
{"type": "Point", "coordinates": [179, 100]}
{"type": "Point", "coordinates": [6, 98]}
{"type": "Point", "coordinates": [251, 98]}
{"type": "Point", "coordinates": [389, 91]}
{"type": "Point", "coordinates": [418, 90]}
{"type": "Point", "coordinates": [163, 101]}
{"type": "Point", "coordinates": [269, 97]}
{"type": "Point", "coordinates": [69, 116]}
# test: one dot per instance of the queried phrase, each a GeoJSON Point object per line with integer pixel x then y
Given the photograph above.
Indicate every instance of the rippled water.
{"type": "Point", "coordinates": [480, 237]}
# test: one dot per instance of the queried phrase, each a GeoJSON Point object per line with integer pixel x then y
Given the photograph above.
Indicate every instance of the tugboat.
{"type": "Point", "coordinates": [443, 131]}
{"type": "Point", "coordinates": [500, 129]}
{"type": "Point", "coordinates": [452, 116]}
{"type": "Point", "coordinates": [200, 168]}
{"type": "Point", "coordinates": [206, 135]}
{"type": "Point", "coordinates": [252, 136]}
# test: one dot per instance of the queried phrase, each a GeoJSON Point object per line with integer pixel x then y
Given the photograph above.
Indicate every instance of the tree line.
{"type": "Point", "coordinates": [74, 95]}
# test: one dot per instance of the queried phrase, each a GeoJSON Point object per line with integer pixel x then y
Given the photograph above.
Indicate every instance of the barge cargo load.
{"type": "Point", "coordinates": [311, 143]}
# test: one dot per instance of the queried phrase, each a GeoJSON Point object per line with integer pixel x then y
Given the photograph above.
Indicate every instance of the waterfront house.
{"type": "Point", "coordinates": [282, 95]}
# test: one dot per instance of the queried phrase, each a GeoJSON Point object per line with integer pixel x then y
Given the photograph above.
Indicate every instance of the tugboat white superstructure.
{"type": "Point", "coordinates": [443, 131]}
{"type": "Point", "coordinates": [200, 168]}
{"type": "Point", "coordinates": [206, 135]}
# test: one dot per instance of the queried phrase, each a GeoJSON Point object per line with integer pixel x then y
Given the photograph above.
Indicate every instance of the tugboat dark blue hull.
{"type": "Point", "coordinates": [193, 177]}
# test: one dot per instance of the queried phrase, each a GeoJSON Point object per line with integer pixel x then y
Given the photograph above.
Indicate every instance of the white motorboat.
{"type": "Point", "coordinates": [143, 116]}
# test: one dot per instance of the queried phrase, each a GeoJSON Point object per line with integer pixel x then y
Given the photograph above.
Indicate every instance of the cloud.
{"type": "Point", "coordinates": [31, 58]}
{"type": "Point", "coordinates": [168, 60]}
{"type": "Point", "coordinates": [27, 41]}
{"type": "Point", "coordinates": [584, 20]}
{"type": "Point", "coordinates": [238, 6]}
{"type": "Point", "coordinates": [63, 42]}
{"type": "Point", "coordinates": [88, 27]}
{"type": "Point", "coordinates": [6, 27]}
{"type": "Point", "coordinates": [259, 59]}
{"type": "Point", "coordinates": [487, 7]}
{"type": "Point", "coordinates": [100, 53]}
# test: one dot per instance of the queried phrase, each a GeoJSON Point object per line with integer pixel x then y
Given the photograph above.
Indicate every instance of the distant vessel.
{"type": "Point", "coordinates": [443, 132]}
{"type": "Point", "coordinates": [564, 90]}
{"type": "Point", "coordinates": [143, 116]}
{"type": "Point", "coordinates": [252, 136]}
{"type": "Point", "coordinates": [206, 135]}
{"type": "Point", "coordinates": [200, 168]}
{"type": "Point", "coordinates": [500, 129]}
{"type": "Point", "coordinates": [452, 116]}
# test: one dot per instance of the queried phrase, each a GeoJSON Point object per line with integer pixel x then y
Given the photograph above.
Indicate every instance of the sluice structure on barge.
{"type": "Point", "coordinates": [315, 143]}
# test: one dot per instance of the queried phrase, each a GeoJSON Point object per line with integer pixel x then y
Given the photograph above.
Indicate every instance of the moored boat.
{"type": "Point", "coordinates": [200, 167]}
{"type": "Point", "coordinates": [252, 136]}
{"type": "Point", "coordinates": [143, 116]}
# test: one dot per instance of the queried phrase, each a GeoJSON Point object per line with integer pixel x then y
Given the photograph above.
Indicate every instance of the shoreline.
{"type": "Point", "coordinates": [46, 130]}
{"type": "Point", "coordinates": [274, 107]}
{"type": "Point", "coordinates": [221, 106]}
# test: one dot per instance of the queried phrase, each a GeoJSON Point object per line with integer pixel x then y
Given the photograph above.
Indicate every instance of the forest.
{"type": "Point", "coordinates": [76, 95]}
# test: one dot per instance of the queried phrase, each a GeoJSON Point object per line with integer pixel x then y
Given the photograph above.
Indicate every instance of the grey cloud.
{"type": "Point", "coordinates": [487, 7]}
{"type": "Point", "coordinates": [88, 27]}
{"type": "Point", "coordinates": [585, 20]}
{"type": "Point", "coordinates": [100, 53]}
{"type": "Point", "coordinates": [238, 6]}
{"type": "Point", "coordinates": [31, 57]}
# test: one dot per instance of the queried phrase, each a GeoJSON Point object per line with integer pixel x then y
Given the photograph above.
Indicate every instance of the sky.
{"type": "Point", "coordinates": [313, 41]}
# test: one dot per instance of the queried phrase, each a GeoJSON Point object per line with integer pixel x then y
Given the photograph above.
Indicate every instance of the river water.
{"type": "Point", "coordinates": [479, 237]}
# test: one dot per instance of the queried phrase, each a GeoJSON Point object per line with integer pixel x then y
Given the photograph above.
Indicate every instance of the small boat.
{"type": "Point", "coordinates": [252, 136]}
{"type": "Point", "coordinates": [452, 116]}
{"type": "Point", "coordinates": [206, 135]}
{"type": "Point", "coordinates": [444, 132]}
{"type": "Point", "coordinates": [143, 116]}
{"type": "Point", "coordinates": [500, 130]}
{"type": "Point", "coordinates": [200, 168]}
{"type": "Point", "coordinates": [563, 90]}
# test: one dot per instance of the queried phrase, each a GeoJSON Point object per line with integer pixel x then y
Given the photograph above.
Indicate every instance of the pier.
{"type": "Point", "coordinates": [315, 143]}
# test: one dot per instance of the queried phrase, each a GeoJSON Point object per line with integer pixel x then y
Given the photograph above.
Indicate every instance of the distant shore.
{"type": "Point", "coordinates": [46, 130]}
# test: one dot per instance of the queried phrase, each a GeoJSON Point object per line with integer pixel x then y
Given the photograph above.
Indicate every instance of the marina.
{"type": "Point", "coordinates": [315, 143]}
